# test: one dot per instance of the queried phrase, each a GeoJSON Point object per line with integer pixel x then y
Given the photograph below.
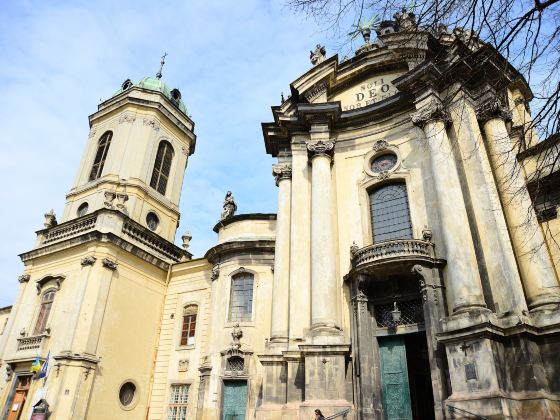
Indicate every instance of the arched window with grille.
{"type": "Point", "coordinates": [188, 329]}
{"type": "Point", "coordinates": [101, 155]}
{"type": "Point", "coordinates": [241, 301]}
{"type": "Point", "coordinates": [162, 167]}
{"type": "Point", "coordinates": [44, 312]}
{"type": "Point", "coordinates": [390, 212]}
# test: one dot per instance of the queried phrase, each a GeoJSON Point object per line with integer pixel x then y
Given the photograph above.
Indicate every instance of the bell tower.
{"type": "Point", "coordinates": [139, 143]}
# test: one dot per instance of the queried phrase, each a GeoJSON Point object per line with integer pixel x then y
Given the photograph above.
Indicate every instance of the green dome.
{"type": "Point", "coordinates": [156, 85]}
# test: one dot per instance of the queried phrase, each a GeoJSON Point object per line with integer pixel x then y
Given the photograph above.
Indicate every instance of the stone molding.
{"type": "Point", "coordinates": [109, 264]}
{"type": "Point", "coordinates": [492, 109]}
{"type": "Point", "coordinates": [89, 260]}
{"type": "Point", "coordinates": [151, 122]}
{"type": "Point", "coordinates": [380, 145]}
{"type": "Point", "coordinates": [434, 111]}
{"type": "Point", "coordinates": [281, 172]}
{"type": "Point", "coordinates": [127, 118]}
{"type": "Point", "coordinates": [320, 148]}
{"type": "Point", "coordinates": [24, 278]}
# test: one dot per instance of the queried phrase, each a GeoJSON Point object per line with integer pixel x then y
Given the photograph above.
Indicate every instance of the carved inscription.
{"type": "Point", "coordinates": [369, 92]}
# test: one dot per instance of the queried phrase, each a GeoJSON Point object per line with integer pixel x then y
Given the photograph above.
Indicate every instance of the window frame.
{"type": "Point", "coordinates": [102, 157]}
{"type": "Point", "coordinates": [379, 186]}
{"type": "Point", "coordinates": [42, 318]}
{"type": "Point", "coordinates": [232, 277]}
{"type": "Point", "coordinates": [171, 405]}
{"type": "Point", "coordinates": [158, 173]}
{"type": "Point", "coordinates": [182, 325]}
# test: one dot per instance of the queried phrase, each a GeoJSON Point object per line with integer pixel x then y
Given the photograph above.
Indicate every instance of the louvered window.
{"type": "Point", "coordinates": [46, 304]}
{"type": "Point", "coordinates": [241, 302]}
{"type": "Point", "coordinates": [101, 155]}
{"type": "Point", "coordinates": [162, 167]}
{"type": "Point", "coordinates": [189, 325]}
{"type": "Point", "coordinates": [390, 213]}
{"type": "Point", "coordinates": [178, 398]}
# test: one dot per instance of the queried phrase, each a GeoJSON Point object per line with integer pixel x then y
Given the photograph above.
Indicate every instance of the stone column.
{"type": "Point", "coordinates": [281, 282]}
{"type": "Point", "coordinates": [497, 254]}
{"type": "Point", "coordinates": [300, 252]}
{"type": "Point", "coordinates": [365, 354]}
{"type": "Point", "coordinates": [462, 269]}
{"type": "Point", "coordinates": [431, 289]}
{"type": "Point", "coordinates": [323, 256]}
{"type": "Point", "coordinates": [537, 272]}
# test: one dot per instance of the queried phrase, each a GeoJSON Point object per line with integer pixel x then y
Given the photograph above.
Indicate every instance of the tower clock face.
{"type": "Point", "coordinates": [384, 163]}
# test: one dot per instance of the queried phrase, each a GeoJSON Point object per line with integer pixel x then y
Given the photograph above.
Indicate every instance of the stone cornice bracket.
{"type": "Point", "coordinates": [320, 148]}
{"type": "Point", "coordinates": [107, 263]}
{"type": "Point", "coordinates": [24, 278]}
{"type": "Point", "coordinates": [89, 260]}
{"type": "Point", "coordinates": [492, 109]}
{"type": "Point", "coordinates": [281, 172]}
{"type": "Point", "coordinates": [433, 111]}
{"type": "Point", "coordinates": [215, 272]}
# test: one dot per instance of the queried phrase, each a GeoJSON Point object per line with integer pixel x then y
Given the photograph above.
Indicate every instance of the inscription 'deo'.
{"type": "Point", "coordinates": [368, 93]}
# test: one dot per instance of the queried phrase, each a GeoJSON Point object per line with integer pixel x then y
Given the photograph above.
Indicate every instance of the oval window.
{"type": "Point", "coordinates": [152, 221]}
{"type": "Point", "coordinates": [127, 393]}
{"type": "Point", "coordinates": [82, 210]}
{"type": "Point", "coordinates": [384, 163]}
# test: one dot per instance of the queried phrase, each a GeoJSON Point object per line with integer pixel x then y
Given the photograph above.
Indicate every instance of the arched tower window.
{"type": "Point", "coordinates": [162, 166]}
{"type": "Point", "coordinates": [241, 302]}
{"type": "Point", "coordinates": [101, 155]}
{"type": "Point", "coordinates": [46, 304]}
{"type": "Point", "coordinates": [189, 325]}
{"type": "Point", "coordinates": [390, 212]}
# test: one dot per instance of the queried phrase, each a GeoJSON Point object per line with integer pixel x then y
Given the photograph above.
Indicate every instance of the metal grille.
{"type": "Point", "coordinates": [162, 167]}
{"type": "Point", "coordinates": [236, 364]}
{"type": "Point", "coordinates": [241, 304]}
{"type": "Point", "coordinates": [411, 313]}
{"type": "Point", "coordinates": [390, 213]}
{"type": "Point", "coordinates": [178, 398]}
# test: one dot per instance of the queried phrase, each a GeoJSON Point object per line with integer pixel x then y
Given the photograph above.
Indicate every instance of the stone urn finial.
{"type": "Point", "coordinates": [186, 239]}
{"type": "Point", "coordinates": [50, 219]}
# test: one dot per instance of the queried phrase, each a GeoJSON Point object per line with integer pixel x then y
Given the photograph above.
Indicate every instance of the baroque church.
{"type": "Point", "coordinates": [401, 278]}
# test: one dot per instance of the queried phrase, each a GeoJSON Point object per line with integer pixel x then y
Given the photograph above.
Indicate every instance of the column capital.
{"type": "Point", "coordinates": [432, 111]}
{"type": "Point", "coordinates": [492, 108]}
{"type": "Point", "coordinates": [281, 171]}
{"type": "Point", "coordinates": [318, 148]}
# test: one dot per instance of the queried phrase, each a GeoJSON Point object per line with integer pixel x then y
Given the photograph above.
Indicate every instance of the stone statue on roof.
{"type": "Point", "coordinates": [319, 55]}
{"type": "Point", "coordinates": [229, 206]}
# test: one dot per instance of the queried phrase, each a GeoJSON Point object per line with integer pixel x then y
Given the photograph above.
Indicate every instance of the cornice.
{"type": "Point", "coordinates": [228, 250]}
{"type": "Point", "coordinates": [241, 217]}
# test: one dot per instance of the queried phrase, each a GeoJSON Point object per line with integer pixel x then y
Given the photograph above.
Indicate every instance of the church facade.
{"type": "Point", "coordinates": [409, 272]}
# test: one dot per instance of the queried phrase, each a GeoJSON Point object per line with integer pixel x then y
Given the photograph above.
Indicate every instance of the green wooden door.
{"type": "Point", "coordinates": [235, 400]}
{"type": "Point", "coordinates": [394, 379]}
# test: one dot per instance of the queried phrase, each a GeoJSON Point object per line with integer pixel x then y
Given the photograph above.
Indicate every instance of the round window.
{"type": "Point", "coordinates": [384, 163]}
{"type": "Point", "coordinates": [127, 393]}
{"type": "Point", "coordinates": [152, 221]}
{"type": "Point", "coordinates": [82, 210]}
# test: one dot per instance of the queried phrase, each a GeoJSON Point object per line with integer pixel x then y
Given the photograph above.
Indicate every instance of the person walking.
{"type": "Point", "coordinates": [319, 415]}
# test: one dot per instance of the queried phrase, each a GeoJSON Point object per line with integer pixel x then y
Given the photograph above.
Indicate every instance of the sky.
{"type": "Point", "coordinates": [231, 61]}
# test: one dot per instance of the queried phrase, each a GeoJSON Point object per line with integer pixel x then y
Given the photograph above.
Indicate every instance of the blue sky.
{"type": "Point", "coordinates": [230, 60]}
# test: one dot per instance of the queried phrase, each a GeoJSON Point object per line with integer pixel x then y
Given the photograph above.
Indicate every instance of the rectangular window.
{"type": "Point", "coordinates": [188, 331]}
{"type": "Point", "coordinates": [241, 303]}
{"type": "Point", "coordinates": [178, 397]}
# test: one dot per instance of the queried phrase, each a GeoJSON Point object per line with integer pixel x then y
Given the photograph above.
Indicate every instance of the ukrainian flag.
{"type": "Point", "coordinates": [36, 366]}
{"type": "Point", "coordinates": [43, 372]}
